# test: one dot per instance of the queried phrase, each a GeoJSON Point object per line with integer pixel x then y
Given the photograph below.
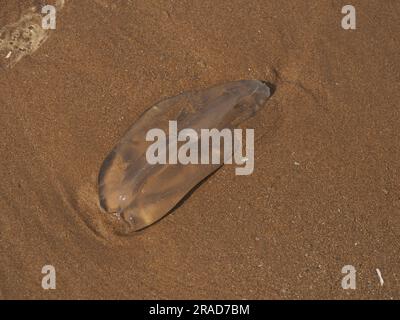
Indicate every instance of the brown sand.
{"type": "Point", "coordinates": [284, 232]}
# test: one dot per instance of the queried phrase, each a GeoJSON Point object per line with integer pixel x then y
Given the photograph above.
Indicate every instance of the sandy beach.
{"type": "Point", "coordinates": [325, 191]}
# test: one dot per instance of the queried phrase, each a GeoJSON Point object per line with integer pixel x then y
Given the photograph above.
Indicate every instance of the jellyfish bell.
{"type": "Point", "coordinates": [143, 192]}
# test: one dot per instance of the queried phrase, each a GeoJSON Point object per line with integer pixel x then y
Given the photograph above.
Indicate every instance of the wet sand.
{"type": "Point", "coordinates": [325, 190]}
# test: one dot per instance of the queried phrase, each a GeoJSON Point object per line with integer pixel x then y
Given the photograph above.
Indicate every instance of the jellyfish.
{"type": "Point", "coordinates": [142, 191]}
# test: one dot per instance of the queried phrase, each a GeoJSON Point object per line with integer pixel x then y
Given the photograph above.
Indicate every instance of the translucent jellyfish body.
{"type": "Point", "coordinates": [143, 191]}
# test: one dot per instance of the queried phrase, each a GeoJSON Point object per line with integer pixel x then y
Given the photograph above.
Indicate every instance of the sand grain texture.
{"type": "Point", "coordinates": [325, 191]}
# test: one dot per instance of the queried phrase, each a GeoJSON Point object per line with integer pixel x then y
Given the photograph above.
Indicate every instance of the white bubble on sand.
{"type": "Point", "coordinates": [23, 37]}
